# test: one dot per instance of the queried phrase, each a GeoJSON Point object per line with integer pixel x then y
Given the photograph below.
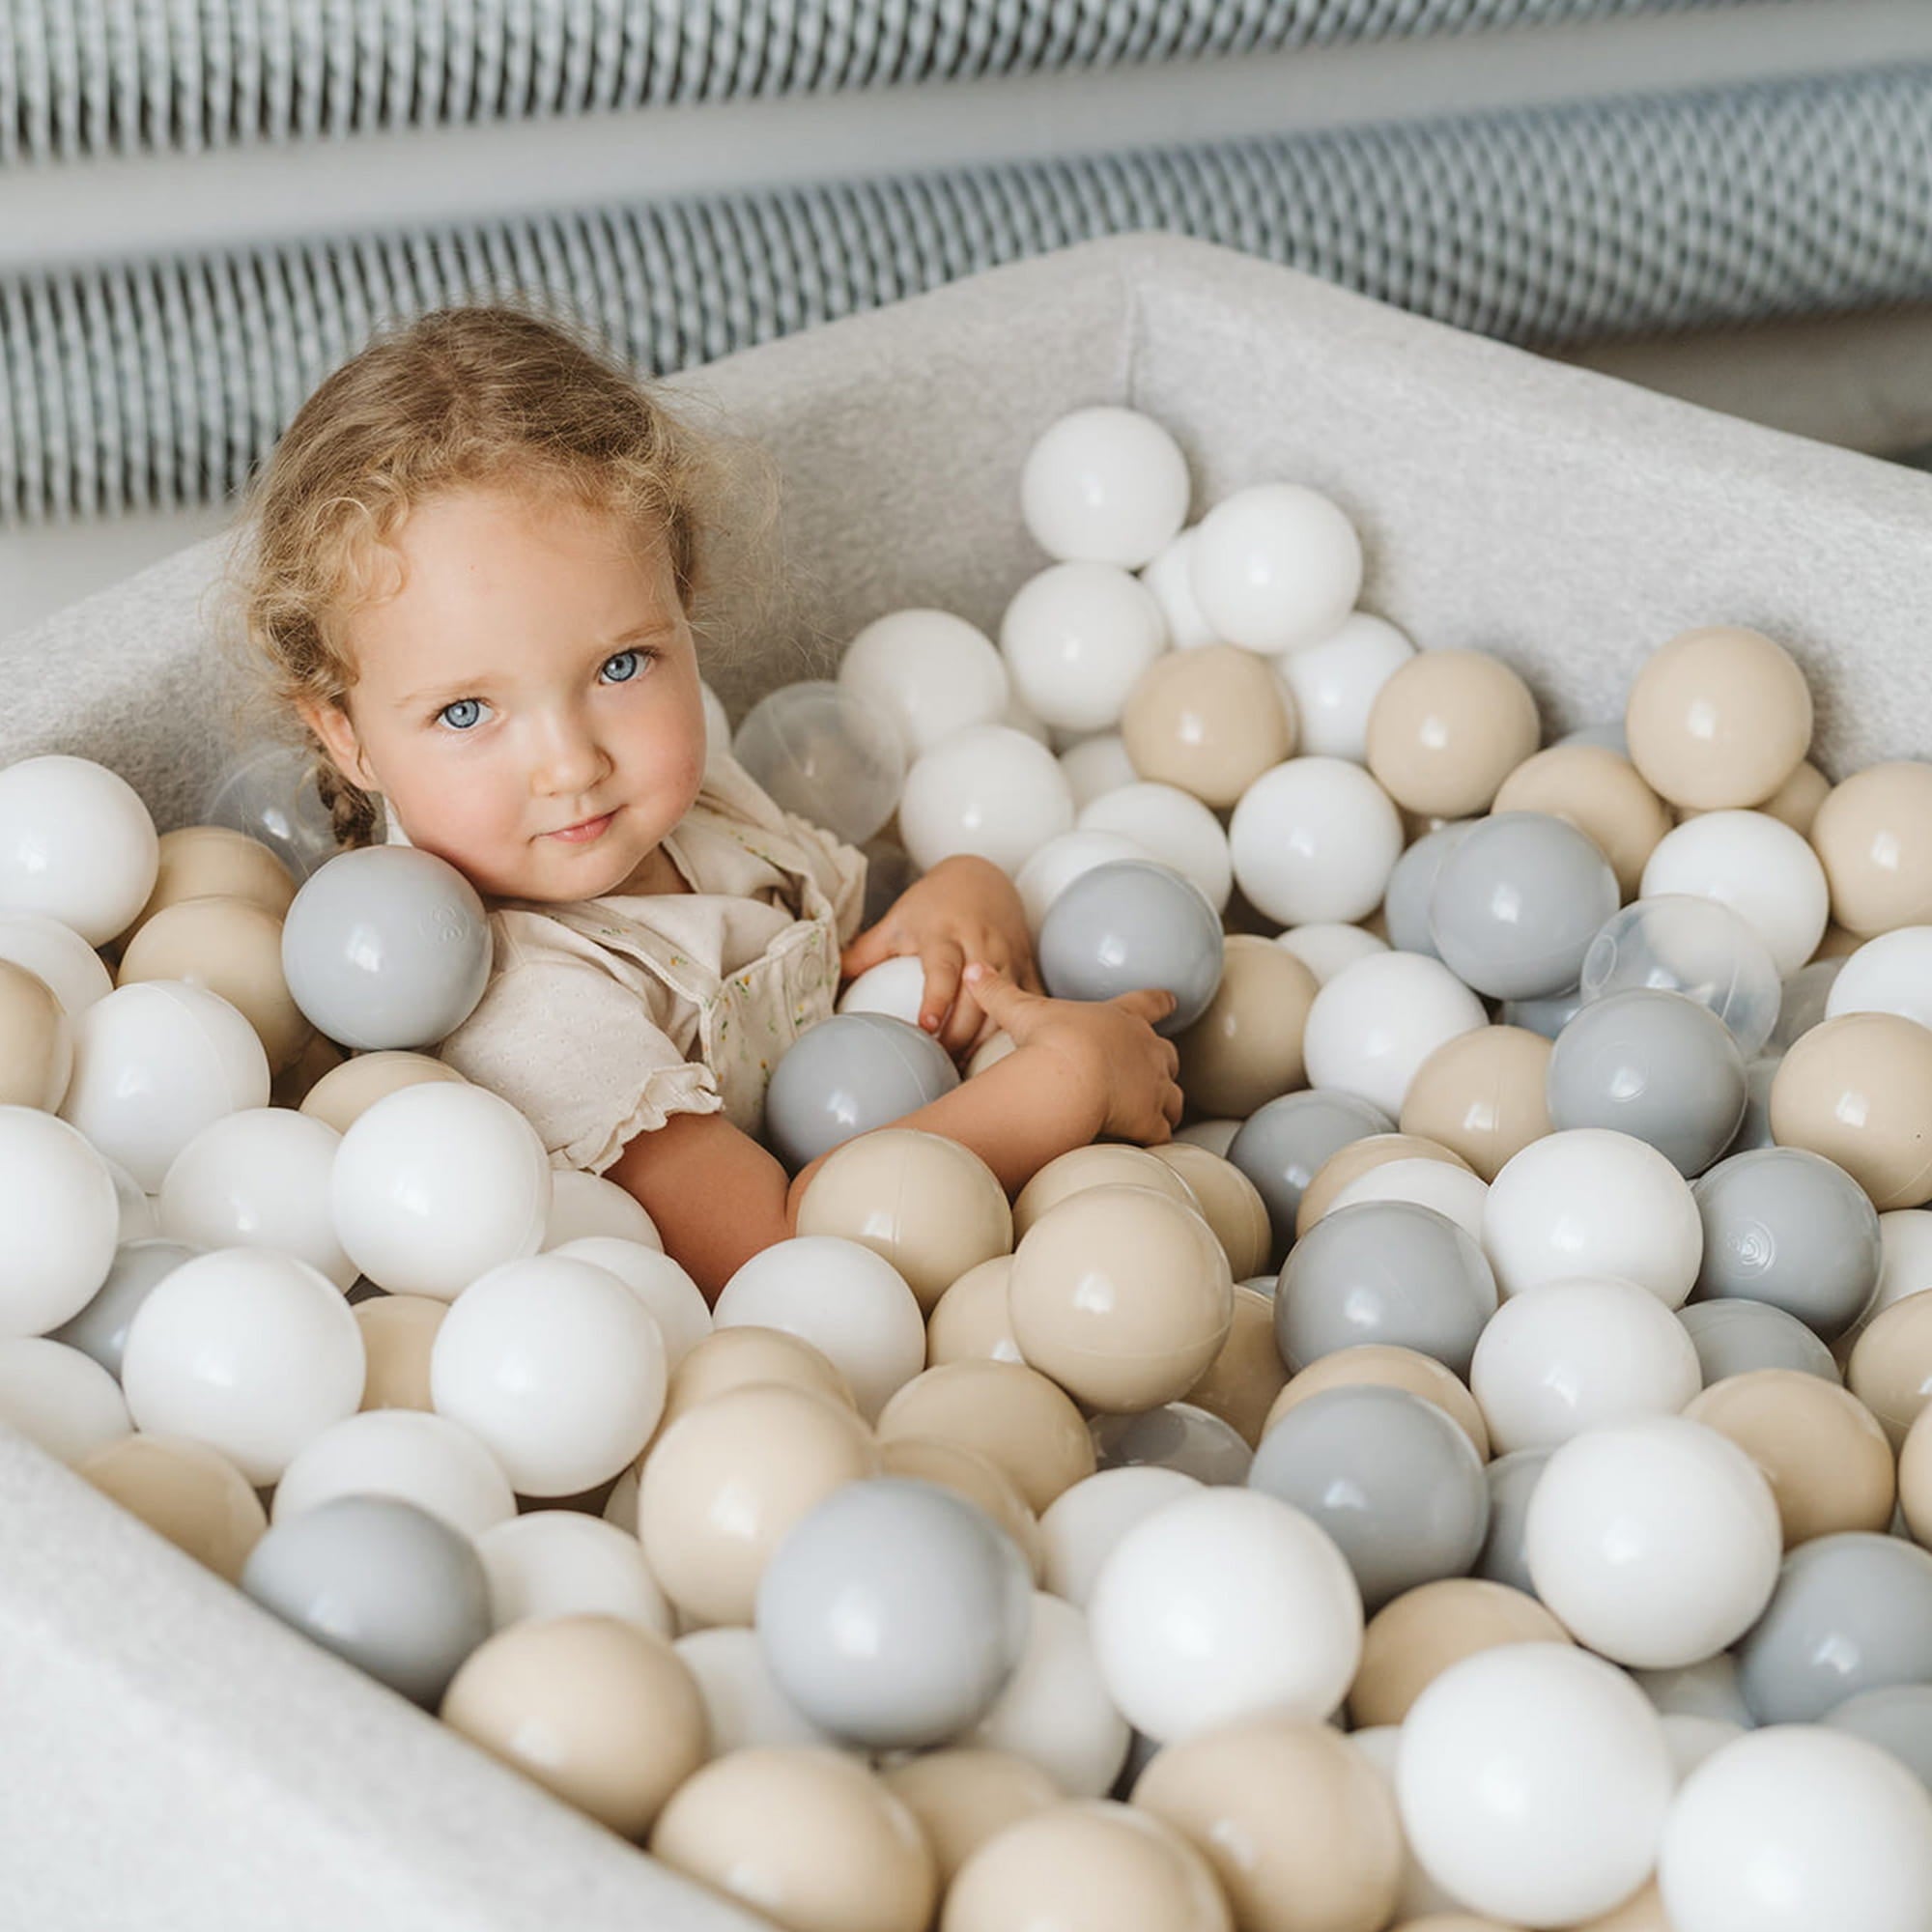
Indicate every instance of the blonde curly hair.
{"type": "Point", "coordinates": [460, 397]}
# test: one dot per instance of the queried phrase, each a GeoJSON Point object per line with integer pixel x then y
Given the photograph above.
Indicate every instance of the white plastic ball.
{"type": "Point", "coordinates": [60, 1222]}
{"type": "Point", "coordinates": [1428, 1182]}
{"type": "Point", "coordinates": [826, 752]}
{"type": "Point", "coordinates": [1656, 1542]}
{"type": "Point", "coordinates": [1334, 684]}
{"type": "Point", "coordinates": [1097, 765]}
{"type": "Point", "coordinates": [1327, 946]}
{"type": "Point", "coordinates": [1104, 485]}
{"type": "Point", "coordinates": [1170, 578]}
{"type": "Point", "coordinates": [1891, 973]}
{"type": "Point", "coordinates": [1589, 1201]}
{"type": "Point", "coordinates": [59, 1397]}
{"type": "Point", "coordinates": [989, 790]}
{"type": "Point", "coordinates": [1758, 867]}
{"type": "Point", "coordinates": [934, 672]}
{"type": "Point", "coordinates": [1794, 1828]}
{"type": "Point", "coordinates": [1055, 1711]}
{"type": "Point", "coordinates": [1375, 1023]}
{"type": "Point", "coordinates": [1076, 638]}
{"type": "Point", "coordinates": [1061, 861]}
{"type": "Point", "coordinates": [57, 954]}
{"type": "Point", "coordinates": [561, 1563]}
{"type": "Point", "coordinates": [76, 845]}
{"type": "Point", "coordinates": [1418, 1895]}
{"type": "Point", "coordinates": [584, 1205]}
{"type": "Point", "coordinates": [253, 1352]}
{"type": "Point", "coordinates": [1533, 1780]}
{"type": "Point", "coordinates": [1170, 826]}
{"type": "Point", "coordinates": [894, 986]}
{"type": "Point", "coordinates": [155, 1063]}
{"type": "Point", "coordinates": [1693, 1739]}
{"type": "Point", "coordinates": [1575, 1355]}
{"type": "Point", "coordinates": [745, 1708]}
{"type": "Point", "coordinates": [436, 1184]}
{"type": "Point", "coordinates": [1313, 840]}
{"type": "Point", "coordinates": [1080, 1528]}
{"type": "Point", "coordinates": [852, 1305]}
{"type": "Point", "coordinates": [557, 1367]}
{"type": "Point", "coordinates": [258, 1178]}
{"type": "Point", "coordinates": [1275, 567]}
{"type": "Point", "coordinates": [676, 1301]}
{"type": "Point", "coordinates": [140, 1220]}
{"type": "Point", "coordinates": [426, 1459]}
{"type": "Point", "coordinates": [1223, 1606]}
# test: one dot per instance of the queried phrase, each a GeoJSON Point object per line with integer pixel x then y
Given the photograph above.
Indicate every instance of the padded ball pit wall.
{"type": "Point", "coordinates": [174, 1759]}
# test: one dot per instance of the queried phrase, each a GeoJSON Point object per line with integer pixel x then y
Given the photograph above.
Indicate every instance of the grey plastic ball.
{"type": "Point", "coordinates": [1282, 1145]}
{"type": "Point", "coordinates": [386, 948]}
{"type": "Point", "coordinates": [100, 1328]}
{"type": "Point", "coordinates": [383, 1584]}
{"type": "Point", "coordinates": [1413, 883]}
{"type": "Point", "coordinates": [1802, 1003]}
{"type": "Point", "coordinates": [1733, 1338]}
{"type": "Point", "coordinates": [1511, 1481]}
{"type": "Point", "coordinates": [1548, 1017]}
{"type": "Point", "coordinates": [1788, 1227]}
{"type": "Point", "coordinates": [1132, 924]}
{"type": "Point", "coordinates": [1517, 903]}
{"type": "Point", "coordinates": [1850, 1613]}
{"type": "Point", "coordinates": [1754, 1129]}
{"type": "Point", "coordinates": [848, 1075]}
{"type": "Point", "coordinates": [827, 752]}
{"type": "Point", "coordinates": [1657, 1067]}
{"type": "Point", "coordinates": [1385, 1272]}
{"type": "Point", "coordinates": [893, 1614]}
{"type": "Point", "coordinates": [1177, 1436]}
{"type": "Point", "coordinates": [1395, 1481]}
{"type": "Point", "coordinates": [1897, 1719]}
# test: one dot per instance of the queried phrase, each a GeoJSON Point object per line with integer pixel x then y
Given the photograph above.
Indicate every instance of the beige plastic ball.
{"type": "Point", "coordinates": [1447, 730]}
{"type": "Point", "coordinates": [724, 1482]}
{"type": "Point", "coordinates": [1122, 1296]}
{"type": "Point", "coordinates": [971, 1323]}
{"type": "Point", "coordinates": [1245, 1049]}
{"type": "Point", "coordinates": [807, 1838]}
{"type": "Point", "coordinates": [1482, 1095]}
{"type": "Point", "coordinates": [1914, 1480]}
{"type": "Point", "coordinates": [1024, 1424]}
{"type": "Point", "coordinates": [1889, 1369]}
{"type": "Point", "coordinates": [1795, 803]}
{"type": "Point", "coordinates": [1105, 1164]}
{"type": "Point", "coordinates": [209, 862]}
{"type": "Point", "coordinates": [342, 1097]}
{"type": "Point", "coordinates": [1826, 1460]}
{"type": "Point", "coordinates": [1096, 1866]}
{"type": "Point", "coordinates": [36, 1041]}
{"type": "Point", "coordinates": [1209, 721]}
{"type": "Point", "coordinates": [398, 1333]}
{"type": "Point", "coordinates": [1349, 1163]}
{"type": "Point", "coordinates": [1299, 1827]}
{"type": "Point", "coordinates": [1412, 1640]}
{"type": "Point", "coordinates": [1873, 835]}
{"type": "Point", "coordinates": [1601, 794]}
{"type": "Point", "coordinates": [596, 1709]}
{"type": "Point", "coordinates": [930, 1206]}
{"type": "Point", "coordinates": [1719, 717]}
{"type": "Point", "coordinates": [1857, 1090]}
{"type": "Point", "coordinates": [313, 1064]}
{"type": "Point", "coordinates": [1643, 1912]}
{"type": "Point", "coordinates": [732, 1359]}
{"type": "Point", "coordinates": [962, 1797]}
{"type": "Point", "coordinates": [1243, 1380]}
{"type": "Point", "coordinates": [1382, 1365]}
{"type": "Point", "coordinates": [1838, 944]}
{"type": "Point", "coordinates": [977, 1477]}
{"type": "Point", "coordinates": [186, 1491]}
{"type": "Point", "coordinates": [234, 947]}
{"type": "Point", "coordinates": [1229, 1202]}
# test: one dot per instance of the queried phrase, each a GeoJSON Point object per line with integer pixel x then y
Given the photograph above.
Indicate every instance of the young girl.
{"type": "Point", "coordinates": [471, 564]}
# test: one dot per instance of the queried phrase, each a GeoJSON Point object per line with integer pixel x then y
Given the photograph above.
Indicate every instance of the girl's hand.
{"type": "Point", "coordinates": [963, 912]}
{"type": "Point", "coordinates": [1110, 1047]}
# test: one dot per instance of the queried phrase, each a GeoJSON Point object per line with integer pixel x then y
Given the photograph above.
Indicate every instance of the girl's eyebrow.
{"type": "Point", "coordinates": [471, 687]}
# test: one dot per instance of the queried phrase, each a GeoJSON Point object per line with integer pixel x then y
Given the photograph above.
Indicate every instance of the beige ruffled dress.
{"type": "Point", "coordinates": [604, 1017]}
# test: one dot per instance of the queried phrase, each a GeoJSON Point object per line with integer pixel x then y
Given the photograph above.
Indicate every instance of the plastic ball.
{"type": "Point", "coordinates": [1598, 791]}
{"type": "Point", "coordinates": [62, 1221]}
{"type": "Point", "coordinates": [56, 954]}
{"type": "Point", "coordinates": [1314, 839]}
{"type": "Point", "coordinates": [964, 1796]}
{"type": "Point", "coordinates": [970, 1321]}
{"type": "Point", "coordinates": [969, 1474]}
{"type": "Point", "coordinates": [213, 862]}
{"type": "Point", "coordinates": [1413, 1639]}
{"type": "Point", "coordinates": [829, 752]}
{"type": "Point", "coordinates": [1024, 1424]}
{"type": "Point", "coordinates": [1869, 836]}
{"type": "Point", "coordinates": [100, 1328]}
{"type": "Point", "coordinates": [1104, 485]}
{"type": "Point", "coordinates": [894, 986]}
{"type": "Point", "coordinates": [1334, 683]}
{"type": "Point", "coordinates": [1734, 1338]}
{"type": "Point", "coordinates": [1244, 1379]}
{"type": "Point", "coordinates": [1176, 1435]}
{"type": "Point", "coordinates": [1385, 1366]}
{"type": "Point", "coordinates": [934, 672]}
{"type": "Point", "coordinates": [1450, 1191]}
{"type": "Point", "coordinates": [1275, 567]}
{"type": "Point", "coordinates": [1221, 1605]}
{"type": "Point", "coordinates": [426, 1459]}
{"type": "Point", "coordinates": [434, 1186]}
{"type": "Point", "coordinates": [1889, 1366]}
{"type": "Point", "coordinates": [1373, 1026]}
{"type": "Point", "coordinates": [36, 1041]}
{"type": "Point", "coordinates": [1096, 765]}
{"type": "Point", "coordinates": [1759, 868]}
{"type": "Point", "coordinates": [1171, 827]}
{"type": "Point", "coordinates": [1897, 1718]}
{"type": "Point", "coordinates": [58, 1398]}
{"type": "Point", "coordinates": [1076, 638]}
{"type": "Point", "coordinates": [1859, 1091]}
{"type": "Point", "coordinates": [1447, 728]}
{"type": "Point", "coordinates": [733, 1358]}
{"type": "Point", "coordinates": [398, 1337]}
{"type": "Point", "coordinates": [559, 1562]}
{"type": "Point", "coordinates": [1482, 1095]}
{"type": "Point", "coordinates": [849, 1075]}
{"type": "Point", "coordinates": [1129, 924]}
{"type": "Point", "coordinates": [1169, 576]}
{"type": "Point", "coordinates": [1891, 973]}
{"type": "Point", "coordinates": [346, 1093]}
{"type": "Point", "coordinates": [270, 796]}
{"type": "Point", "coordinates": [76, 845]}
{"type": "Point", "coordinates": [233, 947]}
{"type": "Point", "coordinates": [744, 1707]}
{"type": "Point", "coordinates": [1695, 947]}
{"type": "Point", "coordinates": [1228, 1200]}
{"type": "Point", "coordinates": [1411, 885]}
{"type": "Point", "coordinates": [1063, 859]}
{"type": "Point", "coordinates": [1081, 1526]}
{"type": "Point", "coordinates": [186, 1491]}
{"type": "Point", "coordinates": [1282, 1145]}
{"type": "Point", "coordinates": [1327, 946]}
{"type": "Point", "coordinates": [1209, 721]}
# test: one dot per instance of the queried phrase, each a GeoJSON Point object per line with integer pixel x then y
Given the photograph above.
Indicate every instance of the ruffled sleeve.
{"type": "Point", "coordinates": [578, 1055]}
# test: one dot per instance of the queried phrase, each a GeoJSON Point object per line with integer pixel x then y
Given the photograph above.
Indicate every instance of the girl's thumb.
{"type": "Point", "coordinates": [997, 995]}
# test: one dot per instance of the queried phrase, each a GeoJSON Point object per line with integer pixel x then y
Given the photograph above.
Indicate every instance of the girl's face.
{"type": "Point", "coordinates": [527, 701]}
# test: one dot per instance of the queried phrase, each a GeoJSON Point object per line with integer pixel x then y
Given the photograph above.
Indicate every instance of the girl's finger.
{"type": "Point", "coordinates": [962, 1029]}
{"type": "Point", "coordinates": [999, 999]}
{"type": "Point", "coordinates": [1172, 1104]}
{"type": "Point", "coordinates": [866, 950]}
{"type": "Point", "coordinates": [1151, 1004]}
{"type": "Point", "coordinates": [943, 964]}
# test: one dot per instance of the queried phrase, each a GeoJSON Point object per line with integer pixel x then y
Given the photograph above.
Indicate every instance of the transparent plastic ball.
{"type": "Point", "coordinates": [828, 752]}
{"type": "Point", "coordinates": [271, 795]}
{"type": "Point", "coordinates": [1696, 946]}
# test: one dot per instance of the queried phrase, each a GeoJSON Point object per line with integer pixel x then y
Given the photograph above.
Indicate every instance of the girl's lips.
{"type": "Point", "coordinates": [590, 829]}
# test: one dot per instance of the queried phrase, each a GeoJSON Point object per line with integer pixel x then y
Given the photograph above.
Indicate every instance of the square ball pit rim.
{"type": "Point", "coordinates": [177, 1759]}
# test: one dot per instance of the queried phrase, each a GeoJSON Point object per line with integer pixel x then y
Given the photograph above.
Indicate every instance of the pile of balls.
{"type": "Point", "coordinates": [1478, 1475]}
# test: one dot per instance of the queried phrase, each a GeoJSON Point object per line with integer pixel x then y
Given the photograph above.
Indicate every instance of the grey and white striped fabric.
{"type": "Point", "coordinates": [162, 384]}
{"type": "Point", "coordinates": [94, 77]}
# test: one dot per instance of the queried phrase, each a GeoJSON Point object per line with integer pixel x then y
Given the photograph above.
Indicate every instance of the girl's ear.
{"type": "Point", "coordinates": [332, 723]}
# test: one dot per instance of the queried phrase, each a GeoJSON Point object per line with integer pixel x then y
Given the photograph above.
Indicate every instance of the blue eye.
{"type": "Point", "coordinates": [624, 666]}
{"type": "Point", "coordinates": [461, 715]}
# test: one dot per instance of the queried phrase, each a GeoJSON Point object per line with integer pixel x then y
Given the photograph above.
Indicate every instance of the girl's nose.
{"type": "Point", "coordinates": [568, 760]}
